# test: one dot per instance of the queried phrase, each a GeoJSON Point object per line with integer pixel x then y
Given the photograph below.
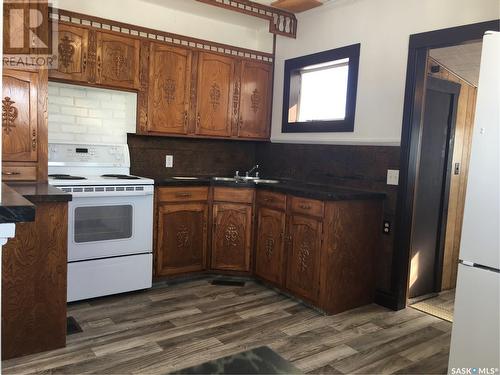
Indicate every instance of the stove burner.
{"type": "Point", "coordinates": [121, 176]}
{"type": "Point", "coordinates": [66, 177]}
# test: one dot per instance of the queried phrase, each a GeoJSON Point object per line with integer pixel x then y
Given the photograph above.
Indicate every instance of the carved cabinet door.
{"type": "Point", "coordinates": [182, 238]}
{"type": "Point", "coordinates": [118, 60]}
{"type": "Point", "coordinates": [231, 237]}
{"type": "Point", "coordinates": [303, 253]}
{"type": "Point", "coordinates": [72, 52]}
{"type": "Point", "coordinates": [269, 247]}
{"type": "Point", "coordinates": [255, 100]}
{"type": "Point", "coordinates": [19, 116]}
{"type": "Point", "coordinates": [214, 94]}
{"type": "Point", "coordinates": [169, 89]}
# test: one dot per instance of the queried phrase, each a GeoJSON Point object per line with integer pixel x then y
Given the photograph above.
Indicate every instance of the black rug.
{"type": "Point", "coordinates": [260, 360]}
{"type": "Point", "coordinates": [72, 326]}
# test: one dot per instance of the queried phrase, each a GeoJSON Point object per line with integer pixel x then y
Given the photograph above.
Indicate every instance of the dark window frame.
{"type": "Point", "coordinates": [325, 126]}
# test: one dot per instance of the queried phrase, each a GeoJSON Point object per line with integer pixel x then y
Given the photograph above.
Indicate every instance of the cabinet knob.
{"type": "Point", "coordinates": [198, 120]}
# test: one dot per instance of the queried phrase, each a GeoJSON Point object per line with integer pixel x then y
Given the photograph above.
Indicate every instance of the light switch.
{"type": "Point", "coordinates": [393, 177]}
{"type": "Point", "coordinates": [169, 161]}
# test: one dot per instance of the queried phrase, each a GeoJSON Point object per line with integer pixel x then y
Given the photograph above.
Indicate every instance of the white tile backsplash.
{"type": "Point", "coordinates": [88, 114]}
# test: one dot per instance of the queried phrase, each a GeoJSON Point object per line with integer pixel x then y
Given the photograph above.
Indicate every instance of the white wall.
{"type": "Point", "coordinates": [383, 28]}
{"type": "Point", "coordinates": [90, 115]}
{"type": "Point", "coordinates": [184, 17]}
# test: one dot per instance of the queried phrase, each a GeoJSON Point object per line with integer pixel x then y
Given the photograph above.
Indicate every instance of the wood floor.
{"type": "Point", "coordinates": [172, 327]}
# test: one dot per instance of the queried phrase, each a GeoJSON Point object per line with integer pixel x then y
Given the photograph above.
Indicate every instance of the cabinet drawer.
{"type": "Point", "coordinates": [10, 173]}
{"type": "Point", "coordinates": [236, 195]}
{"type": "Point", "coordinates": [270, 199]}
{"type": "Point", "coordinates": [182, 194]}
{"type": "Point", "coordinates": [307, 206]}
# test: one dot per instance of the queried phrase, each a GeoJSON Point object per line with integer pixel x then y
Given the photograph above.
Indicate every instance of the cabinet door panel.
{"type": "Point", "coordinates": [214, 93]}
{"type": "Point", "coordinates": [255, 101]}
{"type": "Point", "coordinates": [182, 238]}
{"type": "Point", "coordinates": [269, 247]}
{"type": "Point", "coordinates": [231, 239]}
{"type": "Point", "coordinates": [19, 115]}
{"type": "Point", "coordinates": [72, 43]}
{"type": "Point", "coordinates": [169, 89]}
{"type": "Point", "coordinates": [117, 60]}
{"type": "Point", "coordinates": [304, 256]}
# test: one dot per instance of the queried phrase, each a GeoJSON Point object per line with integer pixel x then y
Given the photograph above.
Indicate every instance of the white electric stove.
{"type": "Point", "coordinates": [110, 219]}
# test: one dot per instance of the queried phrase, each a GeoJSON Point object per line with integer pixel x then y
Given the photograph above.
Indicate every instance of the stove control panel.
{"type": "Point", "coordinates": [89, 155]}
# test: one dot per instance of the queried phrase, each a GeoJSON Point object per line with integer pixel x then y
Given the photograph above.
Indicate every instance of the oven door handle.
{"type": "Point", "coordinates": [109, 194]}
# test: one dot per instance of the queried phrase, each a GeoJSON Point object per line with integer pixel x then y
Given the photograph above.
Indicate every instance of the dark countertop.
{"type": "Point", "coordinates": [36, 192]}
{"type": "Point", "coordinates": [297, 188]}
{"type": "Point", "coordinates": [14, 208]}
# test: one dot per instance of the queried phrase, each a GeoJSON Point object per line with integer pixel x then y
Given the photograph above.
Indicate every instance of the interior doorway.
{"type": "Point", "coordinates": [448, 121]}
{"type": "Point", "coordinates": [443, 70]}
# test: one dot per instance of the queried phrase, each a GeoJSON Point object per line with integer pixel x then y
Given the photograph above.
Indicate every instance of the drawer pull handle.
{"type": "Point", "coordinates": [268, 199]}
{"type": "Point", "coordinates": [305, 206]}
{"type": "Point", "coordinates": [183, 195]}
{"type": "Point", "coordinates": [11, 173]}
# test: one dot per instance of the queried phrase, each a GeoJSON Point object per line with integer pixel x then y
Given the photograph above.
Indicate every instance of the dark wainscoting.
{"type": "Point", "coordinates": [192, 157]}
{"type": "Point", "coordinates": [361, 167]}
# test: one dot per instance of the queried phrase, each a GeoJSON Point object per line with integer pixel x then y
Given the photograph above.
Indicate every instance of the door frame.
{"type": "Point", "coordinates": [452, 88]}
{"type": "Point", "coordinates": [419, 47]}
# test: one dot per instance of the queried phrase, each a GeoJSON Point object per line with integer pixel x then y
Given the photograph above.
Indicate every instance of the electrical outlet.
{"type": "Point", "coordinates": [387, 227]}
{"type": "Point", "coordinates": [393, 177]}
{"type": "Point", "coordinates": [169, 161]}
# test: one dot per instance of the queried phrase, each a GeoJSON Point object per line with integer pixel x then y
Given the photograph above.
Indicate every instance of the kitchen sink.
{"type": "Point", "coordinates": [246, 180]}
{"type": "Point", "coordinates": [226, 179]}
{"type": "Point", "coordinates": [265, 181]}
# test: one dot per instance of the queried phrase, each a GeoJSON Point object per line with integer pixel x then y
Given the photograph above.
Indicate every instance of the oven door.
{"type": "Point", "coordinates": [109, 226]}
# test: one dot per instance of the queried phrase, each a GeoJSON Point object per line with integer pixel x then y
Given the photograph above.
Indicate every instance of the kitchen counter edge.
{"type": "Point", "coordinates": [312, 191]}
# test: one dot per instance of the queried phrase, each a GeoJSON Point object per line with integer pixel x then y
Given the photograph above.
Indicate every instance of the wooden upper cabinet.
{"type": "Point", "coordinates": [19, 116]}
{"type": "Point", "coordinates": [169, 89]}
{"type": "Point", "coordinates": [214, 95]}
{"type": "Point", "coordinates": [255, 100]}
{"type": "Point", "coordinates": [118, 60]}
{"type": "Point", "coordinates": [231, 237]}
{"type": "Point", "coordinates": [303, 269]}
{"type": "Point", "coordinates": [269, 249]}
{"type": "Point", "coordinates": [182, 238]}
{"type": "Point", "coordinates": [72, 50]}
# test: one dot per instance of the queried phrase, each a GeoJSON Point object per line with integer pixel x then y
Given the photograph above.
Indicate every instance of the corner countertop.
{"type": "Point", "coordinates": [297, 188]}
{"type": "Point", "coordinates": [14, 208]}
{"type": "Point", "coordinates": [37, 192]}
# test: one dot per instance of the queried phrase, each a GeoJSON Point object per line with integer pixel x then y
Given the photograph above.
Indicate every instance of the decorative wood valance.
{"type": "Point", "coordinates": [281, 22]}
{"type": "Point", "coordinates": [74, 18]}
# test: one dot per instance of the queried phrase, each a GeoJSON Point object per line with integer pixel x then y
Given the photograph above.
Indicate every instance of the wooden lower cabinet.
{"type": "Point", "coordinates": [181, 238]}
{"type": "Point", "coordinates": [231, 236]}
{"type": "Point", "coordinates": [269, 246]}
{"type": "Point", "coordinates": [320, 251]}
{"type": "Point", "coordinates": [34, 283]}
{"type": "Point", "coordinates": [303, 256]}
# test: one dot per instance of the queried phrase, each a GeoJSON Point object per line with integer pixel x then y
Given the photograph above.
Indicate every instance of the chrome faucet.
{"type": "Point", "coordinates": [254, 168]}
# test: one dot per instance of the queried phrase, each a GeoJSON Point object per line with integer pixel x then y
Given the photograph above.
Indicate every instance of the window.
{"type": "Point", "coordinates": [320, 91]}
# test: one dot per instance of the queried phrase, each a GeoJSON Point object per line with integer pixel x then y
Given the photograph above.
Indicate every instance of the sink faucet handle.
{"type": "Point", "coordinates": [237, 174]}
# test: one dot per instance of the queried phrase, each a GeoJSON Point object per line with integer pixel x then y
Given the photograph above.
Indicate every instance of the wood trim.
{"type": "Point", "coordinates": [411, 129]}
{"type": "Point", "coordinates": [281, 22]}
{"type": "Point", "coordinates": [133, 31]}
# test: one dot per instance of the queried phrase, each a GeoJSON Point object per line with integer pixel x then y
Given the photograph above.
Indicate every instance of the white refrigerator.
{"type": "Point", "coordinates": [475, 339]}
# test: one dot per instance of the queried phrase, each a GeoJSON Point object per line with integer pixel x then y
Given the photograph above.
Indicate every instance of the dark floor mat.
{"type": "Point", "coordinates": [228, 282]}
{"type": "Point", "coordinates": [72, 326]}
